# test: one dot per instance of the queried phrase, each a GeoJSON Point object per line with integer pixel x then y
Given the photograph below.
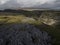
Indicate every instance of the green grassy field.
{"type": "Point", "coordinates": [18, 19]}
{"type": "Point", "coordinates": [54, 31]}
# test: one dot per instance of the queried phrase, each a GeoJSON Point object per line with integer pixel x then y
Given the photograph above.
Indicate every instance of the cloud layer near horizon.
{"type": "Point", "coordinates": [4, 4]}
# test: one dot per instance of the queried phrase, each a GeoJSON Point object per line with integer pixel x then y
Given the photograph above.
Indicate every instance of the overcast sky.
{"type": "Point", "coordinates": [53, 4]}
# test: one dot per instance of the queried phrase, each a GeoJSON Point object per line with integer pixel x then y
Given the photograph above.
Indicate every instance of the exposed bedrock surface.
{"type": "Point", "coordinates": [23, 34]}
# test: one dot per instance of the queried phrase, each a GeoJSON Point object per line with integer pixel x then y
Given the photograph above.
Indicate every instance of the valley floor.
{"type": "Point", "coordinates": [54, 31]}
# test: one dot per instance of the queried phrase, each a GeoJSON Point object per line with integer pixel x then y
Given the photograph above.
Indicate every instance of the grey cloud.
{"type": "Point", "coordinates": [10, 4]}
{"type": "Point", "coordinates": [55, 5]}
{"type": "Point", "coordinates": [13, 4]}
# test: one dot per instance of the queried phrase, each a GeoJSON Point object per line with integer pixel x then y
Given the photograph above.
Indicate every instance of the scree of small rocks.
{"type": "Point", "coordinates": [23, 34]}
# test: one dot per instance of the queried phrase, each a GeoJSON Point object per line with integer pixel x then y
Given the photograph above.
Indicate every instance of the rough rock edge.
{"type": "Point", "coordinates": [23, 34]}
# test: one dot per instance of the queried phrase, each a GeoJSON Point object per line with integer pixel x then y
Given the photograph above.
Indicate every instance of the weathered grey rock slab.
{"type": "Point", "coordinates": [23, 34]}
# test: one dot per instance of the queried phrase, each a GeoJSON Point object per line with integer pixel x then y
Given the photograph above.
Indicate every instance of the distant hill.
{"type": "Point", "coordinates": [25, 10]}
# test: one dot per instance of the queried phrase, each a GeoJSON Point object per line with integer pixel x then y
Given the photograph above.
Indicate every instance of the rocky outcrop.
{"type": "Point", "coordinates": [50, 18]}
{"type": "Point", "coordinates": [23, 34]}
